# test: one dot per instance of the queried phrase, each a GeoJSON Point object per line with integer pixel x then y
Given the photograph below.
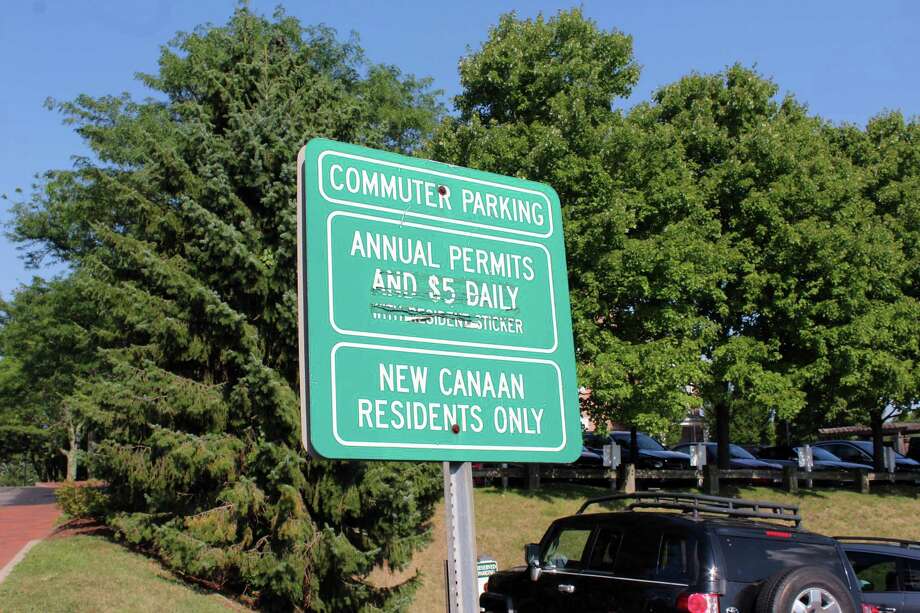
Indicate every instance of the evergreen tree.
{"type": "Point", "coordinates": [184, 222]}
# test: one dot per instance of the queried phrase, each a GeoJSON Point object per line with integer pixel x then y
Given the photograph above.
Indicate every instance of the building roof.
{"type": "Point", "coordinates": [894, 427]}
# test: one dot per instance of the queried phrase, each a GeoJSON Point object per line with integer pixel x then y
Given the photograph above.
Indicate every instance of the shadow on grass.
{"type": "Point", "coordinates": [884, 490]}
{"type": "Point", "coordinates": [84, 527]}
{"type": "Point", "coordinates": [176, 579]}
{"type": "Point", "coordinates": [552, 492]}
{"type": "Point", "coordinates": [744, 491]}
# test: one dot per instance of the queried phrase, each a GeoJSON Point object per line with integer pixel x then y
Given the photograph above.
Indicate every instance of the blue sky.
{"type": "Point", "coordinates": [847, 60]}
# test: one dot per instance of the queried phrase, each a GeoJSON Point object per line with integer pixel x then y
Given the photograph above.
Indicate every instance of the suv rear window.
{"type": "Point", "coordinates": [878, 573]}
{"type": "Point", "coordinates": [676, 557]}
{"type": "Point", "coordinates": [755, 559]}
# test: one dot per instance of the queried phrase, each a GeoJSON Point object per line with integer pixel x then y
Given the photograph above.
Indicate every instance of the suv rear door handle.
{"type": "Point", "coordinates": [566, 588]}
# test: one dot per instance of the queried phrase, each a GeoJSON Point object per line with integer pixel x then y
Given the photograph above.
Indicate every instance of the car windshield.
{"type": "Point", "coordinates": [647, 442]}
{"type": "Point", "coordinates": [824, 455]}
{"type": "Point", "coordinates": [741, 453]}
{"type": "Point", "coordinates": [867, 447]}
{"type": "Point", "coordinates": [643, 440]}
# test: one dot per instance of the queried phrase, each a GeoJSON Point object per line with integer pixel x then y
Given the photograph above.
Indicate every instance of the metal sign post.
{"type": "Point", "coordinates": [889, 459]}
{"type": "Point", "coordinates": [461, 540]}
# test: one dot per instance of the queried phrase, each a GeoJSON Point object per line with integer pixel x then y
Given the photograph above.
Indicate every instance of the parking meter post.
{"type": "Point", "coordinates": [698, 461]}
{"type": "Point", "coordinates": [611, 475]}
{"type": "Point", "coordinates": [808, 455]}
{"type": "Point", "coordinates": [461, 538]}
{"type": "Point", "coordinates": [890, 460]}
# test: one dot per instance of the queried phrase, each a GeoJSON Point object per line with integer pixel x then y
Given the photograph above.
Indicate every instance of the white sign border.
{"type": "Point", "coordinates": [341, 441]}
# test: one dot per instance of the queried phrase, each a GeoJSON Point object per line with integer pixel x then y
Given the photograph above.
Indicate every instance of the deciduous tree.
{"type": "Point", "coordinates": [537, 102]}
{"type": "Point", "coordinates": [48, 339]}
{"type": "Point", "coordinates": [863, 314]}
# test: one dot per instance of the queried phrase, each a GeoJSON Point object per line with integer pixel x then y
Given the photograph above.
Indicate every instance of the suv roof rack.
{"type": "Point", "coordinates": [878, 539]}
{"type": "Point", "coordinates": [702, 503]}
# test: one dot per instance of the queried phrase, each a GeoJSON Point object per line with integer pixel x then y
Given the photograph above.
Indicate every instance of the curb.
{"type": "Point", "coordinates": [6, 570]}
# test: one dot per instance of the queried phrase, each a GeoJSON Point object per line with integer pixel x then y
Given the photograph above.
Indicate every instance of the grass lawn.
{"type": "Point", "coordinates": [91, 573]}
{"type": "Point", "coordinates": [505, 521]}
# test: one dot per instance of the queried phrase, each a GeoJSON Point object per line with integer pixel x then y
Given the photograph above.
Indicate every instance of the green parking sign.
{"type": "Point", "coordinates": [434, 312]}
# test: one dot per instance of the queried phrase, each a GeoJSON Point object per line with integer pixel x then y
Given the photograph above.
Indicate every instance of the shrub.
{"type": "Point", "coordinates": [81, 500]}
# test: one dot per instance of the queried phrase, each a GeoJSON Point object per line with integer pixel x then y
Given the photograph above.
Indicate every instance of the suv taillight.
{"type": "Point", "coordinates": [699, 603]}
{"type": "Point", "coordinates": [869, 608]}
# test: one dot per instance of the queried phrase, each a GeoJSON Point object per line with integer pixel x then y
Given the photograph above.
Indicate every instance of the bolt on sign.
{"type": "Point", "coordinates": [434, 312]}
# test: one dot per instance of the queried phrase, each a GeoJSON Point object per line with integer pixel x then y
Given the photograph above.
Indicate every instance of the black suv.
{"type": "Point", "coordinates": [888, 572]}
{"type": "Point", "coordinates": [716, 555]}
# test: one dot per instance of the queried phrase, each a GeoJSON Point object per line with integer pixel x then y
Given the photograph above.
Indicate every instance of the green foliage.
{"type": "Point", "coordinates": [48, 339]}
{"type": "Point", "coordinates": [718, 237]}
{"type": "Point", "coordinates": [183, 228]}
{"type": "Point", "coordinates": [27, 453]}
{"type": "Point", "coordinates": [537, 103]}
{"type": "Point", "coordinates": [16, 471]}
{"type": "Point", "coordinates": [81, 500]}
{"type": "Point", "coordinates": [656, 249]}
{"type": "Point", "coordinates": [861, 317]}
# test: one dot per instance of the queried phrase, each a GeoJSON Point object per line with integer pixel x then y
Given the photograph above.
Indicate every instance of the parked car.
{"type": "Point", "coordinates": [861, 453]}
{"type": "Point", "coordinates": [652, 454]}
{"type": "Point", "coordinates": [740, 457]}
{"type": "Point", "coordinates": [713, 554]}
{"type": "Point", "coordinates": [590, 458]}
{"type": "Point", "coordinates": [913, 448]}
{"type": "Point", "coordinates": [888, 572]}
{"type": "Point", "coordinates": [823, 459]}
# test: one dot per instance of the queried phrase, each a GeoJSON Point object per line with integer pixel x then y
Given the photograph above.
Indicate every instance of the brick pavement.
{"type": "Point", "coordinates": [26, 514]}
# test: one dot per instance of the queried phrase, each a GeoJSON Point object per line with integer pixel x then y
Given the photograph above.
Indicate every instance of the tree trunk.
{"type": "Point", "coordinates": [90, 444]}
{"type": "Point", "coordinates": [723, 417]}
{"type": "Point", "coordinates": [71, 453]}
{"type": "Point", "coordinates": [633, 446]}
{"type": "Point", "coordinates": [878, 461]}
